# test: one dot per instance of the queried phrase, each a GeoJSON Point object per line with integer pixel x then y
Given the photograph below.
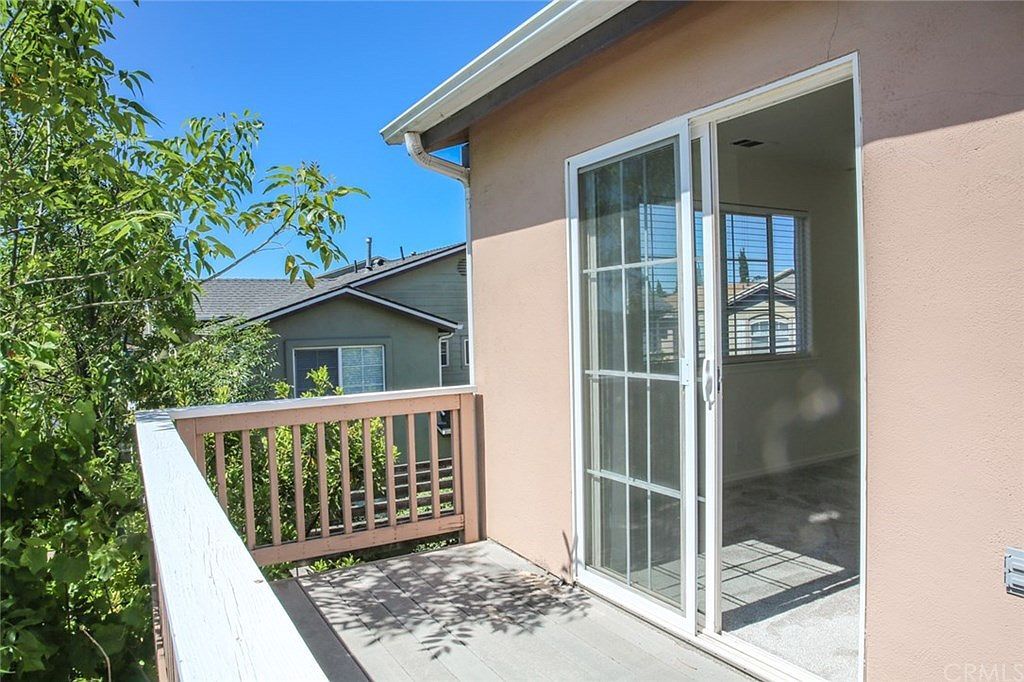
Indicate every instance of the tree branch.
{"type": "Point", "coordinates": [247, 255]}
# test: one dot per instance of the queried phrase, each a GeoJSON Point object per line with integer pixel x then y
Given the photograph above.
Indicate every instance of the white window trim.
{"type": "Point", "coordinates": [444, 353]}
{"type": "Point", "coordinates": [338, 349]}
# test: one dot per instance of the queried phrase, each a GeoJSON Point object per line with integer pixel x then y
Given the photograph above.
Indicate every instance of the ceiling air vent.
{"type": "Point", "coordinates": [462, 267]}
{"type": "Point", "coordinates": [746, 142]}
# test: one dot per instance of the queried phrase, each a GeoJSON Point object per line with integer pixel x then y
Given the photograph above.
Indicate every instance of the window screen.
{"type": "Point", "coordinates": [362, 369]}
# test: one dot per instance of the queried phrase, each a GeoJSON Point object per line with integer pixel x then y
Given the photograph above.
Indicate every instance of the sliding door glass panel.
{"type": "Point", "coordinates": [636, 320]}
{"type": "Point", "coordinates": [639, 428]}
{"type": "Point", "coordinates": [666, 553]}
{"type": "Point", "coordinates": [606, 530]}
{"type": "Point", "coordinates": [662, 296]}
{"type": "Point", "coordinates": [605, 408]}
{"type": "Point", "coordinates": [630, 356]}
{"type": "Point", "coordinates": [665, 433]}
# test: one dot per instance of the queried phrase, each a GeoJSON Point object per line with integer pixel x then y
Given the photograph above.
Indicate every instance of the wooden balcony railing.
{"type": "Point", "coordinates": [297, 479]}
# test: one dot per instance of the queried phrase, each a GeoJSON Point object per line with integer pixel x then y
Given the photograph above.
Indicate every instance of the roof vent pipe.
{"type": "Point", "coordinates": [414, 145]}
{"type": "Point", "coordinates": [369, 252]}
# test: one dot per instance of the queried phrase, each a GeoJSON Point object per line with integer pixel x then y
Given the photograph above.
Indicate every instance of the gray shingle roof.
{"type": "Point", "coordinates": [246, 298]}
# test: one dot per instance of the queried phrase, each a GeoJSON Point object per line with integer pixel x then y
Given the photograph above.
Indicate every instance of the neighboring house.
{"type": "Point", "coordinates": [813, 466]}
{"type": "Point", "coordinates": [397, 324]}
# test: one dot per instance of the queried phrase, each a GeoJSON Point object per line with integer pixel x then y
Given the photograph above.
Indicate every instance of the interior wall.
{"type": "Point", "coordinates": [782, 413]}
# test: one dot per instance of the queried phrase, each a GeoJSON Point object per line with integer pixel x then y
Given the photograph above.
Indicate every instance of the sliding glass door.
{"type": "Point", "coordinates": [633, 295]}
{"type": "Point", "coordinates": [669, 280]}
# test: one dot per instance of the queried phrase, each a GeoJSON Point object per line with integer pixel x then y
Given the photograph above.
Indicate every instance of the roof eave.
{"type": "Point", "coordinates": [554, 26]}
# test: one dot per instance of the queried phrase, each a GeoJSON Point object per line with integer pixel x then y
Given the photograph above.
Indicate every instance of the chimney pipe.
{"type": "Point", "coordinates": [369, 252]}
{"type": "Point", "coordinates": [401, 252]}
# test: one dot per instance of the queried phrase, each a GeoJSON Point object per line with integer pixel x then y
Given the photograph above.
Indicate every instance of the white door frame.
{"type": "Point", "coordinates": [701, 124]}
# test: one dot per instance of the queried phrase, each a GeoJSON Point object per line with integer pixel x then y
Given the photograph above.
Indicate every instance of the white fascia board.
{"type": "Point", "coordinates": [557, 24]}
{"type": "Point", "coordinates": [441, 322]}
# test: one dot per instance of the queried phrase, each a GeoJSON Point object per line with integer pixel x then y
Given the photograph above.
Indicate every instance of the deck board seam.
{"type": "Point", "coordinates": [455, 637]}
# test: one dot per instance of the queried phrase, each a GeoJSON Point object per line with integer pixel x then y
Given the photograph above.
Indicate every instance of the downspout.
{"type": "Point", "coordinates": [414, 145]}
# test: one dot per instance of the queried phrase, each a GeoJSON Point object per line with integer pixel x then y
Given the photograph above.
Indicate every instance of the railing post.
{"type": "Point", "coordinates": [187, 431]}
{"type": "Point", "coordinates": [467, 453]}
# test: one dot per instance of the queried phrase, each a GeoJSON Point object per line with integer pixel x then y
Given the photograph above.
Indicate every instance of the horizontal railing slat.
{"type": "Point", "coordinates": [295, 416]}
{"type": "Point", "coordinates": [338, 544]}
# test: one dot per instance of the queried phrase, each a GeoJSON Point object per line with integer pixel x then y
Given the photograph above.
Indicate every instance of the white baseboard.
{"type": "Point", "coordinates": [791, 466]}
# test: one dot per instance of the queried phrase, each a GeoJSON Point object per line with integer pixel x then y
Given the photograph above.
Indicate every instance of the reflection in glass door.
{"type": "Point", "coordinates": [634, 377]}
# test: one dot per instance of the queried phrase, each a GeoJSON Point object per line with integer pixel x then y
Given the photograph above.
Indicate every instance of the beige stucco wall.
{"type": "Point", "coordinates": [943, 161]}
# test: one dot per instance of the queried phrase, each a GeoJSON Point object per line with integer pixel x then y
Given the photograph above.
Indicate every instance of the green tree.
{"type": "Point", "coordinates": [224, 363]}
{"type": "Point", "coordinates": [106, 233]}
{"type": "Point", "coordinates": [744, 267]}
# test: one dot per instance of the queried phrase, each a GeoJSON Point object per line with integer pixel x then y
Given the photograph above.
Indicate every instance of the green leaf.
{"type": "Point", "coordinates": [68, 569]}
{"type": "Point", "coordinates": [82, 418]}
{"type": "Point", "coordinates": [34, 558]}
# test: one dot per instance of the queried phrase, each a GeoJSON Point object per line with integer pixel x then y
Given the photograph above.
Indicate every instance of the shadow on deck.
{"type": "Point", "coordinates": [477, 612]}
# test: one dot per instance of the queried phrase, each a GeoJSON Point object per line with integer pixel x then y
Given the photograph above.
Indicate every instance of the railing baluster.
{"type": "Point", "coordinates": [250, 514]}
{"type": "Point", "coordinates": [435, 472]}
{"type": "Point", "coordinates": [412, 472]}
{"type": "Point", "coordinates": [368, 476]}
{"type": "Point", "coordinates": [389, 458]}
{"type": "Point", "coordinates": [456, 464]}
{"type": "Point", "coordinates": [275, 501]}
{"type": "Point", "coordinates": [300, 504]}
{"type": "Point", "coordinates": [346, 479]}
{"type": "Point", "coordinates": [321, 464]}
{"type": "Point", "coordinates": [218, 462]}
{"type": "Point", "coordinates": [468, 470]}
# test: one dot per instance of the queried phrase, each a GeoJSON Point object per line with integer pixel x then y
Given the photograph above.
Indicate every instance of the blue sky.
{"type": "Point", "coordinates": [325, 77]}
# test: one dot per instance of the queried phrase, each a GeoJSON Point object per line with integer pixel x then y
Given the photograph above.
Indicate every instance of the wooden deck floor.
{"type": "Point", "coordinates": [478, 612]}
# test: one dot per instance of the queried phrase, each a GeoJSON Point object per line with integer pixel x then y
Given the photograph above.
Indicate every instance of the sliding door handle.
{"type": "Point", "coordinates": [708, 380]}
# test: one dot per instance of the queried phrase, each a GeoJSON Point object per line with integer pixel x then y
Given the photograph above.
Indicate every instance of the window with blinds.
{"type": "Point", "coordinates": [763, 287]}
{"type": "Point", "coordinates": [356, 369]}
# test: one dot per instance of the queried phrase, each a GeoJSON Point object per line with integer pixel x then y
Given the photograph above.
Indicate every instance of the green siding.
{"type": "Point", "coordinates": [410, 345]}
{"type": "Point", "coordinates": [437, 288]}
